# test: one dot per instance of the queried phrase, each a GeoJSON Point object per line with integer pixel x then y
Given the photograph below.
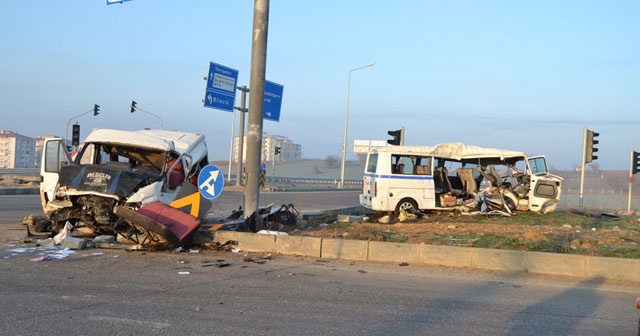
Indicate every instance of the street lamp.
{"type": "Point", "coordinates": [346, 125]}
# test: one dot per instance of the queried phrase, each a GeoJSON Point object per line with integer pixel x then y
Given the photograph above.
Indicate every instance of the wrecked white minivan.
{"type": "Point", "coordinates": [123, 182]}
{"type": "Point", "coordinates": [451, 175]}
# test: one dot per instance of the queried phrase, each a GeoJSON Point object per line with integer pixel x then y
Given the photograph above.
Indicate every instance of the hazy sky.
{"type": "Point", "coordinates": [520, 75]}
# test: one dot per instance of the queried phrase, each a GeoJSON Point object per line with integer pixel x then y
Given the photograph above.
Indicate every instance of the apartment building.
{"type": "Point", "coordinates": [288, 151]}
{"type": "Point", "coordinates": [16, 150]}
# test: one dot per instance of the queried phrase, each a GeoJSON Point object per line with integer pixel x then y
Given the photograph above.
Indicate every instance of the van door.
{"type": "Point", "coordinates": [544, 191]}
{"type": "Point", "coordinates": [54, 155]}
{"type": "Point", "coordinates": [368, 181]}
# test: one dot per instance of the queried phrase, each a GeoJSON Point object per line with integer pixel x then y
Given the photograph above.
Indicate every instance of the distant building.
{"type": "Point", "coordinates": [16, 150]}
{"type": "Point", "coordinates": [289, 151]}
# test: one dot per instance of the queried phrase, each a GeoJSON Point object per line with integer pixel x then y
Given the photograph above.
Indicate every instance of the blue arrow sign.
{"type": "Point", "coordinates": [272, 100]}
{"type": "Point", "coordinates": [210, 182]}
{"type": "Point", "coordinates": [221, 87]}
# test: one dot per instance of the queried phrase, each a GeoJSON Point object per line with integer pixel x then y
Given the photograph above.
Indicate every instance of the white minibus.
{"type": "Point", "coordinates": [450, 175]}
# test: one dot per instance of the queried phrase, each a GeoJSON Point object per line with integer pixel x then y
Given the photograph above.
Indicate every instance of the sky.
{"type": "Point", "coordinates": [519, 75]}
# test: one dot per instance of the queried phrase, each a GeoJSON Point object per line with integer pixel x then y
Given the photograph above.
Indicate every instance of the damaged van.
{"type": "Point", "coordinates": [124, 182]}
{"type": "Point", "coordinates": [452, 175]}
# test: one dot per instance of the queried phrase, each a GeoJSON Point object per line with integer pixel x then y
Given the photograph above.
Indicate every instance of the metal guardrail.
{"type": "Point", "coordinates": [20, 171]}
{"type": "Point", "coordinates": [306, 180]}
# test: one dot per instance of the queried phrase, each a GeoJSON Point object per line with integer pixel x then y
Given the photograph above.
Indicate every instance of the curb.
{"type": "Point", "coordinates": [449, 256]}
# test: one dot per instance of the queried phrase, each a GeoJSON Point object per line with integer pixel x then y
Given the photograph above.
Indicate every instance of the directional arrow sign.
{"type": "Point", "coordinates": [272, 100]}
{"type": "Point", "coordinates": [210, 182]}
{"type": "Point", "coordinates": [221, 87]}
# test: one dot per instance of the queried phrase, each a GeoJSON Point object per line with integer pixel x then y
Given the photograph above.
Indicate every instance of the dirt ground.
{"type": "Point", "coordinates": [564, 232]}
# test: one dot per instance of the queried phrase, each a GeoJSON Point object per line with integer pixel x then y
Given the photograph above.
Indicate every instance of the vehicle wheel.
{"type": "Point", "coordinates": [406, 204]}
{"type": "Point", "coordinates": [510, 203]}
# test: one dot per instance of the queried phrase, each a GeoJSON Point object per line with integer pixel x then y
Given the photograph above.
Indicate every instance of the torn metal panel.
{"type": "Point", "coordinates": [159, 221]}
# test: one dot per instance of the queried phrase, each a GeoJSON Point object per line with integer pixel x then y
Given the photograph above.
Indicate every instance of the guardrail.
{"type": "Point", "coordinates": [306, 180]}
{"type": "Point", "coordinates": [20, 171]}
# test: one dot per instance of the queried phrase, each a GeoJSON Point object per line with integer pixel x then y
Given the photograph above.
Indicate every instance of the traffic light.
{"type": "Point", "coordinates": [277, 150]}
{"type": "Point", "coordinates": [75, 138]}
{"type": "Point", "coordinates": [96, 109]}
{"type": "Point", "coordinates": [133, 106]}
{"type": "Point", "coordinates": [635, 163]}
{"type": "Point", "coordinates": [591, 150]}
{"type": "Point", "coordinates": [397, 137]}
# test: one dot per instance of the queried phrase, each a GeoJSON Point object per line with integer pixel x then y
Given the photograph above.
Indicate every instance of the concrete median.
{"type": "Point", "coordinates": [449, 256]}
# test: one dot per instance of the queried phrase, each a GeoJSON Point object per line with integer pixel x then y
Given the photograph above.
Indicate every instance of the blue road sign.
{"type": "Point", "coordinates": [210, 182]}
{"type": "Point", "coordinates": [111, 2]}
{"type": "Point", "coordinates": [221, 87]}
{"type": "Point", "coordinates": [272, 100]}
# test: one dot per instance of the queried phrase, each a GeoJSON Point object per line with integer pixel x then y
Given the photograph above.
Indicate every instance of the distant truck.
{"type": "Point", "coordinates": [447, 175]}
{"type": "Point", "coordinates": [124, 182]}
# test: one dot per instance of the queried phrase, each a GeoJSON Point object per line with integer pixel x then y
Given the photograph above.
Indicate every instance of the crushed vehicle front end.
{"type": "Point", "coordinates": [118, 170]}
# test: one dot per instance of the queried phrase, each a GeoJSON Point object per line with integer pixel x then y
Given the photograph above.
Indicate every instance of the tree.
{"type": "Point", "coordinates": [332, 161]}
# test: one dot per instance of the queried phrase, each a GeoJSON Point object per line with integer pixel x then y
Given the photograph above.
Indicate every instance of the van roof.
{"type": "Point", "coordinates": [454, 151]}
{"type": "Point", "coordinates": [165, 140]}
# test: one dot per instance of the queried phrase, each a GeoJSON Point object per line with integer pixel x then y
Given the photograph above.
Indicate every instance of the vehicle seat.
{"type": "Point", "coordinates": [422, 170]}
{"type": "Point", "coordinates": [176, 176]}
{"type": "Point", "coordinates": [493, 178]}
{"type": "Point", "coordinates": [469, 185]}
{"type": "Point", "coordinates": [441, 180]}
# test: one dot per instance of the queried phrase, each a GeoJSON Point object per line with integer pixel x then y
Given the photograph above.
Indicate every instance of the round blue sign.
{"type": "Point", "coordinates": [210, 182]}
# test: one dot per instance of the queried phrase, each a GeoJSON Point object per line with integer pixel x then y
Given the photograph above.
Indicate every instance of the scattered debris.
{"type": "Point", "coordinates": [385, 219]}
{"type": "Point", "coordinates": [271, 232]}
{"type": "Point", "coordinates": [250, 259]}
{"type": "Point", "coordinates": [406, 216]}
{"type": "Point", "coordinates": [64, 233]}
{"type": "Point", "coordinates": [350, 219]}
{"type": "Point", "coordinates": [217, 264]}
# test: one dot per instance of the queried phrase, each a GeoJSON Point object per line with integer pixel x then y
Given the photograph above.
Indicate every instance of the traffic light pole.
{"type": "Point", "coordinates": [631, 169]}
{"type": "Point", "coordinates": [66, 133]}
{"type": "Point", "coordinates": [134, 108]}
{"type": "Point", "coordinates": [584, 159]}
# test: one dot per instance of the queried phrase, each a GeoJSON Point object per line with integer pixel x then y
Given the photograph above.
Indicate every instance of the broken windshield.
{"type": "Point", "coordinates": [103, 153]}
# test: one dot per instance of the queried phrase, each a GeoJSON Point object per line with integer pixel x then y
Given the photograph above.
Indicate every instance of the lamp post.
{"type": "Point", "coordinates": [346, 125]}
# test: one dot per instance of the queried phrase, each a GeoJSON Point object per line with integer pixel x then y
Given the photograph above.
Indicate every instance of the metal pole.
{"type": "Point", "coordinates": [233, 124]}
{"type": "Point", "coordinates": [631, 160]}
{"type": "Point", "coordinates": [254, 131]}
{"type": "Point", "coordinates": [584, 158]}
{"type": "Point", "coordinates": [66, 133]}
{"type": "Point", "coordinates": [153, 114]}
{"type": "Point", "coordinates": [346, 126]}
{"type": "Point", "coordinates": [243, 109]}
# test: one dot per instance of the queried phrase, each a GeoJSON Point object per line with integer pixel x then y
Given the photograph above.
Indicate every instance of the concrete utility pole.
{"type": "Point", "coordinates": [584, 160]}
{"type": "Point", "coordinates": [243, 109]}
{"type": "Point", "coordinates": [256, 102]}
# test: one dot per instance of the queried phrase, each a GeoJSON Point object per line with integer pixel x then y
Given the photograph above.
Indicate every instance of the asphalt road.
{"type": "Point", "coordinates": [113, 292]}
